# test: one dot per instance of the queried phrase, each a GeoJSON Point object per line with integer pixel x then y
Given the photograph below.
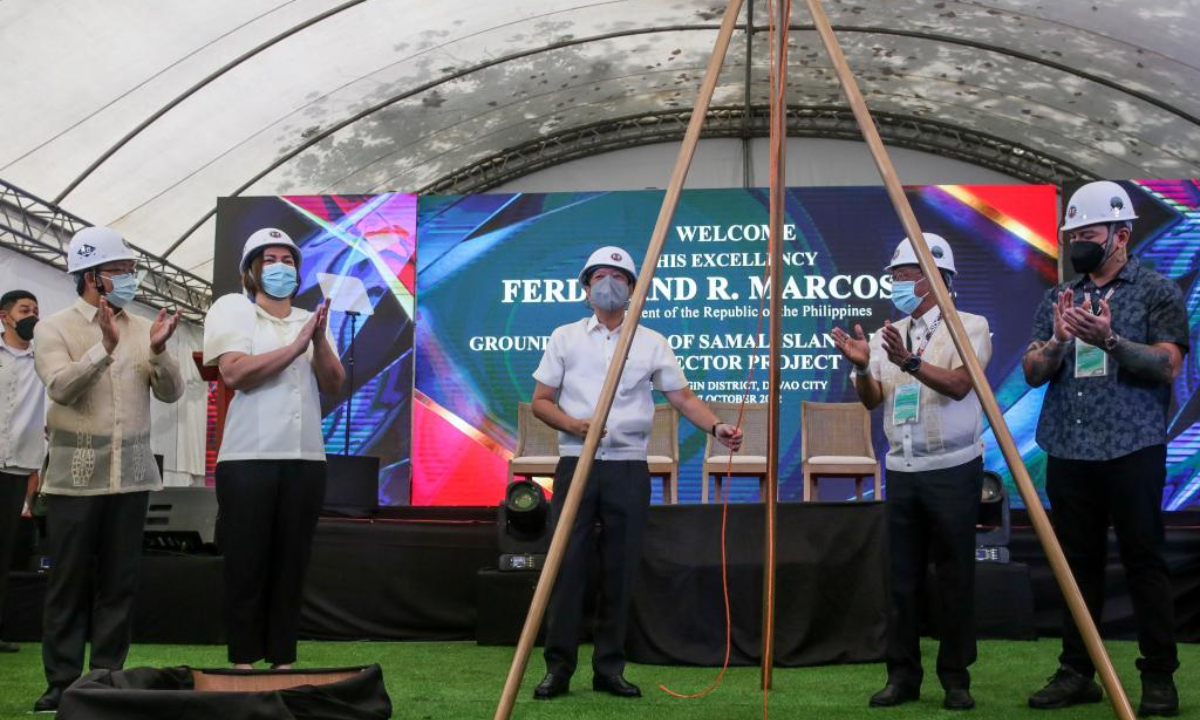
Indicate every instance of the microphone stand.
{"type": "Point", "coordinates": [350, 372]}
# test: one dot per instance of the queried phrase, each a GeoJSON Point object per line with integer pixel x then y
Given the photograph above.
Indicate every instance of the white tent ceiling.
{"type": "Point", "coordinates": [395, 94]}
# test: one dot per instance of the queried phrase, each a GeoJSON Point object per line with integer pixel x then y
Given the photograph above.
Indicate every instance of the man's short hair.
{"type": "Point", "coordinates": [12, 297]}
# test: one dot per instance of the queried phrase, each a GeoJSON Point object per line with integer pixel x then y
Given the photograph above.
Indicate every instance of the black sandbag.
{"type": "Point", "coordinates": [158, 693]}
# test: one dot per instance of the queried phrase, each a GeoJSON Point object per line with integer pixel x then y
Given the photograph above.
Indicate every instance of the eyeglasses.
{"type": "Point", "coordinates": [114, 272]}
{"type": "Point", "coordinates": [906, 274]}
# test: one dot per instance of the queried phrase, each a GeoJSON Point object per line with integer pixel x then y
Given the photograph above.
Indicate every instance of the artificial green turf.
{"type": "Point", "coordinates": [447, 681]}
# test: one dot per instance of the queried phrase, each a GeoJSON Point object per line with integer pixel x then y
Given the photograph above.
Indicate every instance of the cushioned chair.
{"type": "Point", "coordinates": [835, 441]}
{"type": "Point", "coordinates": [537, 446]}
{"type": "Point", "coordinates": [663, 455]}
{"type": "Point", "coordinates": [750, 461]}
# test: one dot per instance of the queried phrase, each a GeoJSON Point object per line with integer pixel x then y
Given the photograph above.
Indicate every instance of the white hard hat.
{"type": "Point", "coordinates": [95, 246]}
{"type": "Point", "coordinates": [1097, 203]}
{"type": "Point", "coordinates": [608, 256]}
{"type": "Point", "coordinates": [265, 238]}
{"type": "Point", "coordinates": [943, 256]}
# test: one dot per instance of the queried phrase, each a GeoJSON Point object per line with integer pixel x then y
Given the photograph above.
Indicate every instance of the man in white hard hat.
{"type": "Point", "coordinates": [569, 379]}
{"type": "Point", "coordinates": [934, 425]}
{"type": "Point", "coordinates": [1109, 343]}
{"type": "Point", "coordinates": [100, 365]}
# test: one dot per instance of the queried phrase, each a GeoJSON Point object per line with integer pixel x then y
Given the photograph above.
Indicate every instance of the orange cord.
{"type": "Point", "coordinates": [777, 105]}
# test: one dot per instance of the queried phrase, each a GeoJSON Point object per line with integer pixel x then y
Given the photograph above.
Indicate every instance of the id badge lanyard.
{"type": "Point", "coordinates": [906, 406]}
{"type": "Point", "coordinates": [1091, 361]}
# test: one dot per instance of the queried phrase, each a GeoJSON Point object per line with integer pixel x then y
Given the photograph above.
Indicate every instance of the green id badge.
{"type": "Point", "coordinates": [907, 405]}
{"type": "Point", "coordinates": [1090, 361]}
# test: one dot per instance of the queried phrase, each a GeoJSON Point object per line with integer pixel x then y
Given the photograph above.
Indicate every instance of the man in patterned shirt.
{"type": "Point", "coordinates": [1109, 343]}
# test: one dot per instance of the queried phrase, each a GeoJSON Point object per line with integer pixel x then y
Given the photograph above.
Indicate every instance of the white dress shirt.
{"type": "Point", "coordinates": [576, 362]}
{"type": "Point", "coordinates": [281, 418]}
{"type": "Point", "coordinates": [22, 412]}
{"type": "Point", "coordinates": [947, 432]}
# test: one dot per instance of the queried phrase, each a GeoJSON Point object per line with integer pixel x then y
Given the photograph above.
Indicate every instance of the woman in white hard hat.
{"type": "Point", "coordinates": [271, 465]}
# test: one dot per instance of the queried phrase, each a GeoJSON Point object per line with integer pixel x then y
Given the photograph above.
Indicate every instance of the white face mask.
{"type": "Point", "coordinates": [609, 294]}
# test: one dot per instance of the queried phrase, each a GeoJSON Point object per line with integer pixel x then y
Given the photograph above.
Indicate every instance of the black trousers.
{"type": "Point", "coordinates": [931, 518]}
{"type": "Point", "coordinates": [618, 496]}
{"type": "Point", "coordinates": [12, 499]}
{"type": "Point", "coordinates": [95, 546]}
{"type": "Point", "coordinates": [1084, 497]}
{"type": "Point", "coordinates": [268, 511]}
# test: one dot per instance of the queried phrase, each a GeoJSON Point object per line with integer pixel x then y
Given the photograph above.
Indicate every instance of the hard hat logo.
{"type": "Point", "coordinates": [616, 257]}
{"type": "Point", "coordinates": [86, 251]}
{"type": "Point", "coordinates": [275, 234]}
{"type": "Point", "coordinates": [1072, 212]}
{"type": "Point", "coordinates": [1117, 205]}
{"type": "Point", "coordinates": [937, 251]}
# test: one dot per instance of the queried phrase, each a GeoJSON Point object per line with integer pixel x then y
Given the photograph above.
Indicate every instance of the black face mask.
{"type": "Point", "coordinates": [24, 327]}
{"type": "Point", "coordinates": [1086, 256]}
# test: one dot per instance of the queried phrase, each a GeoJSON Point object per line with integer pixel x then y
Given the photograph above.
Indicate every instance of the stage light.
{"type": "Point", "coordinates": [993, 527]}
{"type": "Point", "coordinates": [522, 527]}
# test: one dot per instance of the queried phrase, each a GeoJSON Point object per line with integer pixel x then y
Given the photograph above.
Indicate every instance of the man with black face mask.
{"type": "Point", "coordinates": [1109, 344]}
{"type": "Point", "coordinates": [569, 379]}
{"type": "Point", "coordinates": [22, 423]}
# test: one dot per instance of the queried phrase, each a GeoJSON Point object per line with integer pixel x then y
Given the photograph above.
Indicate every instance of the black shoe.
{"type": "Point", "coordinates": [1159, 696]}
{"type": "Point", "coordinates": [892, 695]}
{"type": "Point", "coordinates": [959, 699]}
{"type": "Point", "coordinates": [49, 700]}
{"type": "Point", "coordinates": [552, 686]}
{"type": "Point", "coordinates": [1067, 687]}
{"type": "Point", "coordinates": [615, 685]}
{"type": "Point", "coordinates": [9, 647]}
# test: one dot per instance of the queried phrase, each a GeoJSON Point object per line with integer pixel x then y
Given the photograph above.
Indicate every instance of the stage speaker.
{"type": "Point", "coordinates": [351, 486]}
{"type": "Point", "coordinates": [181, 520]}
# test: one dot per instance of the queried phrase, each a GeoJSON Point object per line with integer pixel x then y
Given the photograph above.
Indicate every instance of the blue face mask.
{"type": "Point", "coordinates": [609, 294]}
{"type": "Point", "coordinates": [124, 287]}
{"type": "Point", "coordinates": [279, 280]}
{"type": "Point", "coordinates": [904, 296]}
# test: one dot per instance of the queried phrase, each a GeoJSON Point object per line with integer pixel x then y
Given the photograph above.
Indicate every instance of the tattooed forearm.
{"type": "Point", "coordinates": [1041, 360]}
{"type": "Point", "coordinates": [1147, 361]}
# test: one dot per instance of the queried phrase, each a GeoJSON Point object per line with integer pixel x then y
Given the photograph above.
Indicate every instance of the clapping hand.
{"type": "Point", "coordinates": [1091, 328]}
{"type": "Point", "coordinates": [162, 330]}
{"type": "Point", "coordinates": [110, 334]}
{"type": "Point", "coordinates": [314, 328]}
{"type": "Point", "coordinates": [893, 344]}
{"type": "Point", "coordinates": [856, 349]}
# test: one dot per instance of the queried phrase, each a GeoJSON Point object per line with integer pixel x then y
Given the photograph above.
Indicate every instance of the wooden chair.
{"type": "Point", "coordinates": [750, 461]}
{"type": "Point", "coordinates": [663, 454]}
{"type": "Point", "coordinates": [537, 446]}
{"type": "Point", "coordinates": [835, 441]}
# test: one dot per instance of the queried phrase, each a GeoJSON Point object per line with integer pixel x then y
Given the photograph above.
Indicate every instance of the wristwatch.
{"type": "Point", "coordinates": [911, 364]}
{"type": "Point", "coordinates": [1111, 341]}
